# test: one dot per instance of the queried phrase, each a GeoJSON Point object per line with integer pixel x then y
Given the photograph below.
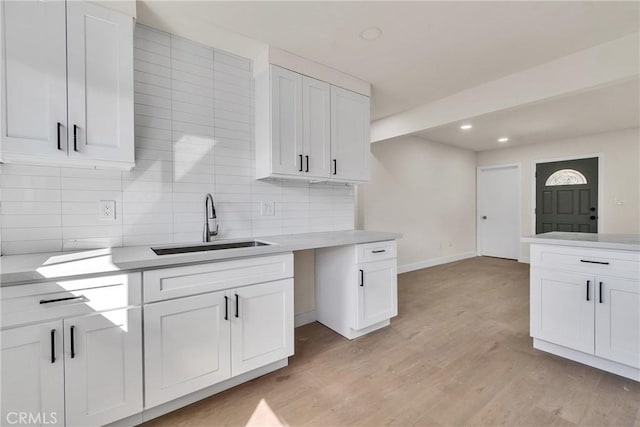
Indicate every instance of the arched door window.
{"type": "Point", "coordinates": [566, 177]}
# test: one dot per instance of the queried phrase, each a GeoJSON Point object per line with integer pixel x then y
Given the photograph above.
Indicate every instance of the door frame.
{"type": "Point", "coordinates": [534, 167]}
{"type": "Point", "coordinates": [518, 167]}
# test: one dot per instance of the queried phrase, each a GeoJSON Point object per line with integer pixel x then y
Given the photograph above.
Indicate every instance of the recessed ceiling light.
{"type": "Point", "coordinates": [466, 126]}
{"type": "Point", "coordinates": [371, 33]}
{"type": "Point", "coordinates": [503, 139]}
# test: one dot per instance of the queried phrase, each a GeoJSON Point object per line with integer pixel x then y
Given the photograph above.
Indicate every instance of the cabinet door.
{"type": "Point", "coordinates": [100, 47]}
{"type": "Point", "coordinates": [377, 292]}
{"type": "Point", "coordinates": [103, 367]}
{"type": "Point", "coordinates": [186, 346]}
{"type": "Point", "coordinates": [286, 121]}
{"type": "Point", "coordinates": [618, 320]}
{"type": "Point", "coordinates": [316, 127]}
{"type": "Point", "coordinates": [562, 309]}
{"type": "Point", "coordinates": [350, 141]}
{"type": "Point", "coordinates": [34, 83]}
{"type": "Point", "coordinates": [262, 325]}
{"type": "Point", "coordinates": [33, 374]}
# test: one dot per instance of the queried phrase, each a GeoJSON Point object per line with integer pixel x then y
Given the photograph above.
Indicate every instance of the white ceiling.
{"type": "Point", "coordinates": [429, 50]}
{"type": "Point", "coordinates": [599, 110]}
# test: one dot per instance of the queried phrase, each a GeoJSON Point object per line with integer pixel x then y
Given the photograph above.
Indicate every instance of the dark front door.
{"type": "Point", "coordinates": [567, 196]}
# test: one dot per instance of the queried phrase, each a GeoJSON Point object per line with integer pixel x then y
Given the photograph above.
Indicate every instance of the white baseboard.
{"type": "Point", "coordinates": [435, 261]}
{"type": "Point", "coordinates": [524, 260]}
{"type": "Point", "coordinates": [304, 318]}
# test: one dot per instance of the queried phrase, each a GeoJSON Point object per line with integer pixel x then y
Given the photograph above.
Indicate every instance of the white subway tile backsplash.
{"type": "Point", "coordinates": [193, 135]}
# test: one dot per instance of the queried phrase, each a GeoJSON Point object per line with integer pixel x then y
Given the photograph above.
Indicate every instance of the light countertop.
{"type": "Point", "coordinates": [624, 242]}
{"type": "Point", "coordinates": [30, 268]}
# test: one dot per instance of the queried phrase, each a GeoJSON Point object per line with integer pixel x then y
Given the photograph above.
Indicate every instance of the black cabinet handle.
{"type": "Point", "coordinates": [48, 301]}
{"type": "Point", "coordinates": [73, 341]}
{"type": "Point", "coordinates": [362, 278]}
{"type": "Point", "coordinates": [594, 262]}
{"type": "Point", "coordinates": [600, 292]}
{"type": "Point", "coordinates": [59, 126]}
{"type": "Point", "coordinates": [226, 307]}
{"type": "Point", "coordinates": [237, 313]}
{"type": "Point", "coordinates": [379, 251]}
{"type": "Point", "coordinates": [307, 163]}
{"type": "Point", "coordinates": [588, 284]}
{"type": "Point", "coordinates": [53, 346]}
{"type": "Point", "coordinates": [335, 167]}
{"type": "Point", "coordinates": [75, 137]}
{"type": "Point", "coordinates": [300, 170]}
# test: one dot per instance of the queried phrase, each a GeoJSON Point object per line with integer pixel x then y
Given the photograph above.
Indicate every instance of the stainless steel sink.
{"type": "Point", "coordinates": [208, 247]}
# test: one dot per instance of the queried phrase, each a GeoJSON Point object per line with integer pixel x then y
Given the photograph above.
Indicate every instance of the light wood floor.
{"type": "Point", "coordinates": [459, 353]}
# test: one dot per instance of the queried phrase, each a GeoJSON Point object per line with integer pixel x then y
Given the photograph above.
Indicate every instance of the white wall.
{"type": "Point", "coordinates": [620, 174]}
{"type": "Point", "coordinates": [194, 135]}
{"type": "Point", "coordinates": [426, 191]}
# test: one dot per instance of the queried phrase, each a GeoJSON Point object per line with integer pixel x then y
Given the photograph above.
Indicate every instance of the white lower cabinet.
{"type": "Point", "coordinates": [356, 287]}
{"type": "Point", "coordinates": [262, 325]}
{"type": "Point", "coordinates": [103, 369]}
{"type": "Point", "coordinates": [562, 309]}
{"type": "Point", "coordinates": [585, 305]}
{"type": "Point", "coordinates": [194, 342]}
{"type": "Point", "coordinates": [33, 374]}
{"type": "Point", "coordinates": [72, 351]}
{"type": "Point", "coordinates": [377, 292]}
{"type": "Point", "coordinates": [618, 320]}
{"type": "Point", "coordinates": [187, 343]}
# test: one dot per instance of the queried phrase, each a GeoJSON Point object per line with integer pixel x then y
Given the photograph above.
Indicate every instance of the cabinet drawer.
{"type": "Point", "coordinates": [586, 260]}
{"type": "Point", "coordinates": [177, 282]}
{"type": "Point", "coordinates": [375, 251]}
{"type": "Point", "coordinates": [22, 304]}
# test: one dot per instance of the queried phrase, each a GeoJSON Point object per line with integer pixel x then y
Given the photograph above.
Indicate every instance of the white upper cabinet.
{"type": "Point", "coordinates": [34, 101]}
{"type": "Point", "coordinates": [306, 127]}
{"type": "Point", "coordinates": [286, 108]}
{"type": "Point", "coordinates": [69, 85]}
{"type": "Point", "coordinates": [350, 140]}
{"type": "Point", "coordinates": [100, 47]}
{"type": "Point", "coordinates": [316, 125]}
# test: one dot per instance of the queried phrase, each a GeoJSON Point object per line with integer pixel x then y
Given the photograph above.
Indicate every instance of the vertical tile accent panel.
{"type": "Point", "coordinates": [194, 126]}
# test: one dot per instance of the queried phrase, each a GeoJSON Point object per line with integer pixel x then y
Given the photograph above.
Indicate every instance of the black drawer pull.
{"type": "Point", "coordinates": [362, 278]}
{"type": "Point", "coordinates": [379, 251]}
{"type": "Point", "coordinates": [594, 262]}
{"type": "Point", "coordinates": [588, 285]}
{"type": "Point", "coordinates": [53, 346]}
{"type": "Point", "coordinates": [226, 307]}
{"type": "Point", "coordinates": [48, 301]}
{"type": "Point", "coordinates": [73, 341]}
{"type": "Point", "coordinates": [75, 137]}
{"type": "Point", "coordinates": [600, 292]}
{"type": "Point", "coordinates": [59, 126]}
{"type": "Point", "coordinates": [237, 303]}
{"type": "Point", "coordinates": [335, 167]}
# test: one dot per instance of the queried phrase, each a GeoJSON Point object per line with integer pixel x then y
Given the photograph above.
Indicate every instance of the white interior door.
{"type": "Point", "coordinates": [498, 211]}
{"type": "Point", "coordinates": [33, 374]}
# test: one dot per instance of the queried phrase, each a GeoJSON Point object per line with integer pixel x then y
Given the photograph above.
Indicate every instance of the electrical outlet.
{"type": "Point", "coordinates": [268, 208]}
{"type": "Point", "coordinates": [107, 209]}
